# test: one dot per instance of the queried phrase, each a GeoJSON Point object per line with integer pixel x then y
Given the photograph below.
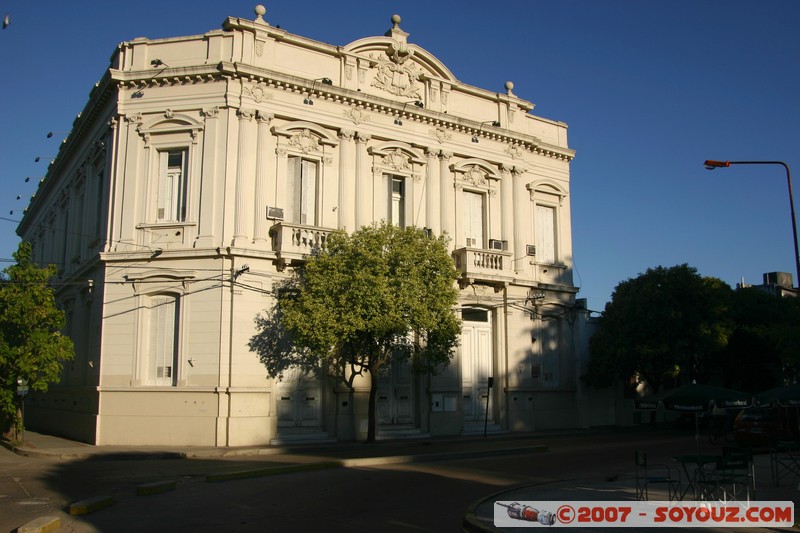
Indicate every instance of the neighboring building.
{"type": "Point", "coordinates": [204, 168]}
{"type": "Point", "coordinates": [776, 283]}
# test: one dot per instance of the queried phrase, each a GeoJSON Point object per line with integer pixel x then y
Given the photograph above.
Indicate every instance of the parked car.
{"type": "Point", "coordinates": [758, 427]}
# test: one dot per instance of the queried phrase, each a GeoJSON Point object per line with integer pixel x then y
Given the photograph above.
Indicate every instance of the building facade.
{"type": "Point", "coordinates": [203, 169]}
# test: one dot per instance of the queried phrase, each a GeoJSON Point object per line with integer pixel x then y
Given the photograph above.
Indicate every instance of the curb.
{"type": "Point", "coordinates": [471, 523]}
{"type": "Point", "coordinates": [272, 471]}
{"type": "Point", "coordinates": [156, 487]}
{"type": "Point", "coordinates": [90, 505]}
{"type": "Point", "coordinates": [44, 524]}
{"type": "Point", "coordinates": [369, 461]}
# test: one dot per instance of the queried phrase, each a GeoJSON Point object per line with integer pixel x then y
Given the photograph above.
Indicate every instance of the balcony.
{"type": "Point", "coordinates": [476, 264]}
{"type": "Point", "coordinates": [292, 243]}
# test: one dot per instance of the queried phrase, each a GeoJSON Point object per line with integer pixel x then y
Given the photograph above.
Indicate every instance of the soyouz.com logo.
{"type": "Point", "coordinates": [643, 514]}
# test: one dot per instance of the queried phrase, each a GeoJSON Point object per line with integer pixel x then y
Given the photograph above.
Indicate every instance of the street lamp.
{"type": "Point", "coordinates": [710, 164]}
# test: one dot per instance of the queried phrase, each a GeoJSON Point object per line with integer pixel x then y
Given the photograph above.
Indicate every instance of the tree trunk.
{"type": "Point", "coordinates": [373, 395]}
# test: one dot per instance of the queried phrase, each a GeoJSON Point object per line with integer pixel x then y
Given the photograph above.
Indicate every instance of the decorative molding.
{"type": "Point", "coordinates": [396, 160]}
{"type": "Point", "coordinates": [442, 135]}
{"type": "Point", "coordinates": [346, 135]}
{"type": "Point", "coordinates": [263, 117]}
{"type": "Point", "coordinates": [211, 112]}
{"type": "Point", "coordinates": [356, 115]}
{"type": "Point", "coordinates": [134, 118]}
{"type": "Point", "coordinates": [245, 114]}
{"type": "Point", "coordinates": [515, 151]}
{"type": "Point", "coordinates": [258, 92]}
{"type": "Point", "coordinates": [305, 142]}
{"type": "Point", "coordinates": [393, 76]}
{"type": "Point", "coordinates": [475, 176]}
{"type": "Point", "coordinates": [260, 47]}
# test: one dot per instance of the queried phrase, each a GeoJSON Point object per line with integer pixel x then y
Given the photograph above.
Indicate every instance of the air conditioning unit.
{"type": "Point", "coordinates": [428, 232]}
{"type": "Point", "coordinates": [530, 249]}
{"type": "Point", "coordinates": [275, 213]}
{"type": "Point", "coordinates": [497, 244]}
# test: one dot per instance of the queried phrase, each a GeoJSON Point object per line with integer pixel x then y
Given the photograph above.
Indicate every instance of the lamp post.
{"type": "Point", "coordinates": [710, 164]}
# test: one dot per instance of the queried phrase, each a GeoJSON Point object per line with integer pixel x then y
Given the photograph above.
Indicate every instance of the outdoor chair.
{"type": "Point", "coordinates": [656, 474]}
{"type": "Point", "coordinates": [785, 462]}
{"type": "Point", "coordinates": [734, 477]}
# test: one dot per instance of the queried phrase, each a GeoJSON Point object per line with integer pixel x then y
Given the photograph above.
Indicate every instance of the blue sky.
{"type": "Point", "coordinates": [649, 89]}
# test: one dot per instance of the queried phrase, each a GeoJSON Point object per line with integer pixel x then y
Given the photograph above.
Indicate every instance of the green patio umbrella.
{"type": "Point", "coordinates": [697, 399]}
{"type": "Point", "coordinates": [786, 396]}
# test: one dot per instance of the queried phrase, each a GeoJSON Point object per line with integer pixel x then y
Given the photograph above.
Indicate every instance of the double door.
{"type": "Point", "coordinates": [299, 400]}
{"type": "Point", "coordinates": [476, 364]}
{"type": "Point", "coordinates": [395, 402]}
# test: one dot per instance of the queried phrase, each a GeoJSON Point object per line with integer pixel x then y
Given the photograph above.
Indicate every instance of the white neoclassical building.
{"type": "Point", "coordinates": [203, 169]}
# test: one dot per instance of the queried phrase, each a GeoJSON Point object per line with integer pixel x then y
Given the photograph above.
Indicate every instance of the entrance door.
{"type": "Point", "coordinates": [395, 394]}
{"type": "Point", "coordinates": [476, 363]}
{"type": "Point", "coordinates": [299, 400]}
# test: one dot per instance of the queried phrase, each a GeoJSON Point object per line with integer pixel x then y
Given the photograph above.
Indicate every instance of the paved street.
{"type": "Point", "coordinates": [426, 487]}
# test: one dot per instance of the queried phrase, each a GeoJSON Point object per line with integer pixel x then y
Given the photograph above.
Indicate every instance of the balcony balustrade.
{"type": "Point", "coordinates": [294, 242]}
{"type": "Point", "coordinates": [476, 264]}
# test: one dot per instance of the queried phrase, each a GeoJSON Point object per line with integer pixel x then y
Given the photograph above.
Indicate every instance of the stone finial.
{"type": "Point", "coordinates": [395, 32]}
{"type": "Point", "coordinates": [510, 88]}
{"type": "Point", "coordinates": [260, 11]}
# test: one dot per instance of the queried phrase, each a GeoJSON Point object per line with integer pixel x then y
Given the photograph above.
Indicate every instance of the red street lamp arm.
{"type": "Point", "coordinates": [711, 164]}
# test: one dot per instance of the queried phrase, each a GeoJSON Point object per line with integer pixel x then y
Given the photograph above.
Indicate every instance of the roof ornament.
{"type": "Point", "coordinates": [260, 11]}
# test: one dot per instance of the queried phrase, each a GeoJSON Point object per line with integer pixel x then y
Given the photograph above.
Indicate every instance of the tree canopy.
{"type": "Point", "coordinates": [762, 351]}
{"type": "Point", "coordinates": [365, 299]}
{"type": "Point", "coordinates": [32, 347]}
{"type": "Point", "coordinates": [665, 323]}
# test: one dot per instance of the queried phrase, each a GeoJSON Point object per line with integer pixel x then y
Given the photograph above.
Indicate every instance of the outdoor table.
{"type": "Point", "coordinates": [697, 477]}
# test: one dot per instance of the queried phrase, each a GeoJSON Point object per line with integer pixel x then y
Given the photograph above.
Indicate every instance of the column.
{"type": "Point", "coordinates": [262, 177]}
{"type": "Point", "coordinates": [241, 213]}
{"type": "Point", "coordinates": [507, 207]}
{"type": "Point", "coordinates": [129, 207]}
{"type": "Point", "coordinates": [208, 181]}
{"type": "Point", "coordinates": [432, 192]}
{"type": "Point", "coordinates": [346, 210]}
{"type": "Point", "coordinates": [518, 199]}
{"type": "Point", "coordinates": [361, 175]}
{"type": "Point", "coordinates": [447, 200]}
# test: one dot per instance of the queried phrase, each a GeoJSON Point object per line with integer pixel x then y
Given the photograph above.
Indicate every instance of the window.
{"type": "Point", "coordinates": [545, 234]}
{"type": "Point", "coordinates": [302, 192]}
{"type": "Point", "coordinates": [473, 219]}
{"type": "Point", "coordinates": [397, 201]}
{"type": "Point", "coordinates": [163, 341]}
{"type": "Point", "coordinates": [171, 201]}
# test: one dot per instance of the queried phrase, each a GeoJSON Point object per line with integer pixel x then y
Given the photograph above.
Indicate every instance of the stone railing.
{"type": "Point", "coordinates": [295, 241]}
{"type": "Point", "coordinates": [484, 265]}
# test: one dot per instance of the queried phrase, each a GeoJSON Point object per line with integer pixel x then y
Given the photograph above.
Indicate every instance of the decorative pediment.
{"type": "Point", "coordinates": [305, 137]}
{"type": "Point", "coordinates": [161, 281]}
{"type": "Point", "coordinates": [476, 173]}
{"type": "Point", "coordinates": [396, 67]}
{"type": "Point", "coordinates": [546, 187]}
{"type": "Point", "coordinates": [169, 122]}
{"type": "Point", "coordinates": [396, 157]}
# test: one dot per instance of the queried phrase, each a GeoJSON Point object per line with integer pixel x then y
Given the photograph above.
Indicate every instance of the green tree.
{"type": "Point", "coordinates": [365, 299]}
{"type": "Point", "coordinates": [762, 351]}
{"type": "Point", "coordinates": [32, 347]}
{"type": "Point", "coordinates": [665, 323]}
